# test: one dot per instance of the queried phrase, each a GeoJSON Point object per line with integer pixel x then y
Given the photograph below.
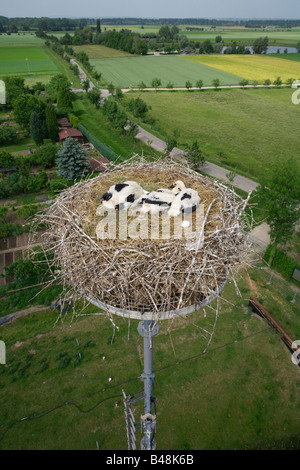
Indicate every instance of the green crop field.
{"type": "Point", "coordinates": [25, 60]}
{"type": "Point", "coordinates": [293, 56]}
{"type": "Point", "coordinates": [20, 39]}
{"type": "Point", "coordinates": [242, 394]}
{"type": "Point", "coordinates": [128, 72]}
{"type": "Point", "coordinates": [254, 128]}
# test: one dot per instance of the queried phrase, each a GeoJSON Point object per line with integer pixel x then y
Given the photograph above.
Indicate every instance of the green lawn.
{"type": "Point", "coordinates": [254, 128]}
{"type": "Point", "coordinates": [128, 72]}
{"type": "Point", "coordinates": [242, 394]}
{"type": "Point", "coordinates": [25, 60]}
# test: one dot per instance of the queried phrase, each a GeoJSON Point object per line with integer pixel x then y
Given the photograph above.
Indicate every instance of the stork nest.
{"type": "Point", "coordinates": [143, 274]}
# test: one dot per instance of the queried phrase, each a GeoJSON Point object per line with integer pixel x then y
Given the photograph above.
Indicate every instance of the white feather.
{"type": "Point", "coordinates": [182, 203]}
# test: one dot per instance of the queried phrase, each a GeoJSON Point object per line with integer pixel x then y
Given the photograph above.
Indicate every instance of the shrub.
{"type": "Point", "coordinates": [280, 261]}
{"type": "Point", "coordinates": [8, 134]}
{"type": "Point", "coordinates": [7, 160]}
{"type": "Point", "coordinates": [27, 210]}
{"type": "Point", "coordinates": [45, 155]}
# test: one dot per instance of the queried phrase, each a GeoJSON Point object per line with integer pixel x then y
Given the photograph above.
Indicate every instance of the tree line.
{"type": "Point", "coordinates": [70, 24]}
{"type": "Point", "coordinates": [43, 24]}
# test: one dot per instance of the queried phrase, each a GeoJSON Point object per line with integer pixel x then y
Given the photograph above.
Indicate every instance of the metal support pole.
{"type": "Point", "coordinates": [148, 329]}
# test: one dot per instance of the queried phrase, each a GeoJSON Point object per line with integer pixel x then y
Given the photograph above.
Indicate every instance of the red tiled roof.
{"type": "Point", "coordinates": [63, 122]}
{"type": "Point", "coordinates": [64, 133]}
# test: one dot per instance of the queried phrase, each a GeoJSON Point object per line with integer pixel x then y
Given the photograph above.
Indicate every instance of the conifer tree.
{"type": "Point", "coordinates": [72, 161]}
{"type": "Point", "coordinates": [52, 124]}
{"type": "Point", "coordinates": [64, 100]}
{"type": "Point", "coordinates": [38, 128]}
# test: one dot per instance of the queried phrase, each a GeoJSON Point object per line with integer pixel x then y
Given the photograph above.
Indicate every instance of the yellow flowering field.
{"type": "Point", "coordinates": [251, 67]}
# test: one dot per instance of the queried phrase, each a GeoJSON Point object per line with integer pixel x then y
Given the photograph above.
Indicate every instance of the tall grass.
{"type": "Point", "coordinates": [241, 394]}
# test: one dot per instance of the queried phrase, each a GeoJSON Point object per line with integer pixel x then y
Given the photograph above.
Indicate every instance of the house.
{"type": "Point", "coordinates": [63, 123]}
{"type": "Point", "coordinates": [98, 164]}
{"type": "Point", "coordinates": [74, 133]}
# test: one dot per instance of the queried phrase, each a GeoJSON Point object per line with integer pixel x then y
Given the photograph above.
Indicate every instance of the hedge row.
{"type": "Point", "coordinates": [102, 148]}
{"type": "Point", "coordinates": [280, 262]}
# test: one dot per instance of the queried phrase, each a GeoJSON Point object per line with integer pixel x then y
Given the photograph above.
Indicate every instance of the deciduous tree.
{"type": "Point", "coordinates": [260, 45]}
{"type": "Point", "coordinates": [94, 96]}
{"type": "Point", "coordinates": [23, 107]}
{"type": "Point", "coordinates": [281, 197]}
{"type": "Point", "coordinates": [194, 155]}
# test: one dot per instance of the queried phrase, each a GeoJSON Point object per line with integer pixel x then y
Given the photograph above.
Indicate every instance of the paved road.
{"type": "Point", "coordinates": [82, 76]}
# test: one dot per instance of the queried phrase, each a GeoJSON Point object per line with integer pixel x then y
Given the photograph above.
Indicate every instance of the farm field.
{"type": "Point", "coordinates": [241, 394]}
{"type": "Point", "coordinates": [254, 128]}
{"type": "Point", "coordinates": [98, 51]}
{"type": "Point", "coordinates": [234, 34]}
{"type": "Point", "coordinates": [22, 39]}
{"type": "Point", "coordinates": [42, 62]}
{"type": "Point", "coordinates": [25, 60]}
{"type": "Point", "coordinates": [128, 72]}
{"type": "Point", "coordinates": [250, 67]}
{"type": "Point", "coordinates": [293, 56]}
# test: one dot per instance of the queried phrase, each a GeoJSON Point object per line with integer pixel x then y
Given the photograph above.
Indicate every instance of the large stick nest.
{"type": "Point", "coordinates": [145, 275]}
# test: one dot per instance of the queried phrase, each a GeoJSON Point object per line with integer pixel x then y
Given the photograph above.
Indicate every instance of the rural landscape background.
{"type": "Point", "coordinates": [219, 92]}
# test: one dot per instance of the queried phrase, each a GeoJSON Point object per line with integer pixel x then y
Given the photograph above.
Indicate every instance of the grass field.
{"type": "Point", "coordinates": [22, 39]}
{"type": "Point", "coordinates": [25, 60]}
{"type": "Point", "coordinates": [250, 67]}
{"type": "Point", "coordinates": [254, 128]}
{"type": "Point", "coordinates": [130, 71]}
{"type": "Point", "coordinates": [242, 394]}
{"type": "Point", "coordinates": [42, 62]}
{"type": "Point", "coordinates": [100, 52]}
